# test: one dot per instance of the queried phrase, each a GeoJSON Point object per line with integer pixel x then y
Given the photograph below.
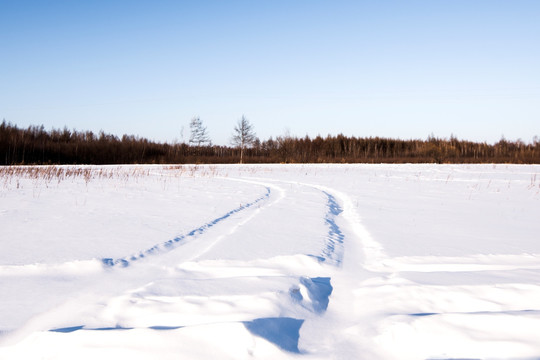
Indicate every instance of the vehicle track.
{"type": "Point", "coordinates": [306, 295]}
{"type": "Point", "coordinates": [182, 239]}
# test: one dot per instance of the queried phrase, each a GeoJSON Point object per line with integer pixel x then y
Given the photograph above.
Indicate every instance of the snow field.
{"type": "Point", "coordinates": [272, 261]}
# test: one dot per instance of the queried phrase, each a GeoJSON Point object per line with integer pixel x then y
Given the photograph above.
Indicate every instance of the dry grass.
{"type": "Point", "coordinates": [12, 176]}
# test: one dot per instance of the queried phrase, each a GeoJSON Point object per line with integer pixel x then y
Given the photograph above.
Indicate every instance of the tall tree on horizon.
{"type": "Point", "coordinates": [199, 135]}
{"type": "Point", "coordinates": [243, 136]}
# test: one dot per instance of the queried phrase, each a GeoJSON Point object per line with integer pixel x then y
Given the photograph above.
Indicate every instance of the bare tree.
{"type": "Point", "coordinates": [243, 136]}
{"type": "Point", "coordinates": [199, 135]}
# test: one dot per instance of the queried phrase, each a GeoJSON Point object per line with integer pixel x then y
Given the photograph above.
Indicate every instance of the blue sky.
{"type": "Point", "coordinates": [402, 69]}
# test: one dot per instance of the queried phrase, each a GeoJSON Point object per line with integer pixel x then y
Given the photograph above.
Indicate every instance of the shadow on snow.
{"type": "Point", "coordinates": [318, 289]}
{"type": "Point", "coordinates": [82, 327]}
{"type": "Point", "coordinates": [508, 312]}
{"type": "Point", "coordinates": [281, 331]}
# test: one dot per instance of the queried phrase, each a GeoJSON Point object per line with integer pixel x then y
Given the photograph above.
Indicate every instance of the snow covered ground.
{"type": "Point", "coordinates": [271, 262]}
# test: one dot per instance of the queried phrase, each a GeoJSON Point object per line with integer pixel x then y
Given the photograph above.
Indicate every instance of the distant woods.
{"type": "Point", "coordinates": [35, 145]}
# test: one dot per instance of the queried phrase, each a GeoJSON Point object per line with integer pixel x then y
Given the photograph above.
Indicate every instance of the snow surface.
{"type": "Point", "coordinates": [272, 262]}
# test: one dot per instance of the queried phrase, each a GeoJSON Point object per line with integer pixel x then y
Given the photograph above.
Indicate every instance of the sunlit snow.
{"type": "Point", "coordinates": [271, 262]}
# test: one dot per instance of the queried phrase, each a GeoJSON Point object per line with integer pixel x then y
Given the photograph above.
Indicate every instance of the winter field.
{"type": "Point", "coordinates": [270, 262]}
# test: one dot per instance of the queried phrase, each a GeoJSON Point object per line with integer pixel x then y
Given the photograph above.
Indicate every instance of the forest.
{"type": "Point", "coordinates": [37, 146]}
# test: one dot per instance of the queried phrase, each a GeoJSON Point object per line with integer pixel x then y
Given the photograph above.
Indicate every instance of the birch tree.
{"type": "Point", "coordinates": [243, 136]}
{"type": "Point", "coordinates": [199, 135]}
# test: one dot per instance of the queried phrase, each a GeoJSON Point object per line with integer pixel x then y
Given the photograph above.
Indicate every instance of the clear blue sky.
{"type": "Point", "coordinates": [401, 69]}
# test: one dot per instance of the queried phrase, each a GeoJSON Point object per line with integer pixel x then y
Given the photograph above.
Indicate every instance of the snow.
{"type": "Point", "coordinates": [271, 262]}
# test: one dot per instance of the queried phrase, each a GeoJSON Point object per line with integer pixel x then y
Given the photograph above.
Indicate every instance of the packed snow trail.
{"type": "Point", "coordinates": [178, 240]}
{"type": "Point", "coordinates": [309, 295]}
{"type": "Point", "coordinates": [334, 245]}
{"type": "Point", "coordinates": [301, 295]}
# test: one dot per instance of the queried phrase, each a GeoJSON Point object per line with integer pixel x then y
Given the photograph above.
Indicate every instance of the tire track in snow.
{"type": "Point", "coordinates": [376, 260]}
{"type": "Point", "coordinates": [372, 251]}
{"type": "Point", "coordinates": [333, 251]}
{"type": "Point", "coordinates": [174, 243]}
{"type": "Point", "coordinates": [312, 295]}
{"type": "Point", "coordinates": [247, 219]}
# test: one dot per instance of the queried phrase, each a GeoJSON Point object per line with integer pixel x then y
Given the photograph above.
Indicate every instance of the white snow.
{"type": "Point", "coordinates": [271, 262]}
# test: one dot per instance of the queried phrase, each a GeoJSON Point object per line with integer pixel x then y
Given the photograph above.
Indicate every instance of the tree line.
{"type": "Point", "coordinates": [35, 145]}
